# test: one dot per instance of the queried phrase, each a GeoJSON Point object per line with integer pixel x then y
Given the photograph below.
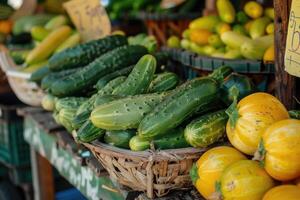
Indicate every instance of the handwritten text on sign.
{"type": "Point", "coordinates": [292, 53]}
{"type": "Point", "coordinates": [89, 17]}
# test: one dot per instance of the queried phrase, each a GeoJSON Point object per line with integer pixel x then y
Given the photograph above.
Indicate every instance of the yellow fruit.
{"type": "Point", "coordinates": [118, 32]}
{"type": "Point", "coordinates": [283, 192]}
{"type": "Point", "coordinates": [207, 22]}
{"type": "Point", "coordinates": [209, 50]}
{"type": "Point", "coordinates": [250, 118]}
{"type": "Point", "coordinates": [280, 148]}
{"type": "Point", "coordinates": [226, 11]}
{"type": "Point", "coordinates": [245, 180]}
{"type": "Point", "coordinates": [185, 44]}
{"type": "Point", "coordinates": [210, 167]}
{"type": "Point", "coordinates": [255, 49]}
{"type": "Point", "coordinates": [196, 48]}
{"type": "Point", "coordinates": [233, 54]}
{"type": "Point", "coordinates": [270, 54]}
{"type": "Point", "coordinates": [186, 33]}
{"type": "Point", "coordinates": [270, 28]}
{"type": "Point", "coordinates": [173, 42]}
{"type": "Point", "coordinates": [253, 9]}
{"type": "Point", "coordinates": [48, 45]}
{"type": "Point", "coordinates": [269, 12]}
{"type": "Point", "coordinates": [222, 28]}
{"type": "Point", "coordinates": [200, 36]}
{"type": "Point", "coordinates": [258, 27]}
{"type": "Point", "coordinates": [34, 67]}
{"type": "Point", "coordinates": [215, 41]}
{"type": "Point", "coordinates": [233, 39]}
{"type": "Point", "coordinates": [248, 26]}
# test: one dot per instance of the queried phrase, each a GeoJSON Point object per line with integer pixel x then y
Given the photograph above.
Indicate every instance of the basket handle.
{"type": "Point", "coordinates": [6, 61]}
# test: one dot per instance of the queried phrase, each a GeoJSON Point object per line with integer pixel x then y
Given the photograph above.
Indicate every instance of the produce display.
{"type": "Point", "coordinates": [120, 91]}
{"type": "Point", "coordinates": [233, 34]}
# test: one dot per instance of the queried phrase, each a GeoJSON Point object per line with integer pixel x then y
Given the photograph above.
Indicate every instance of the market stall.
{"type": "Point", "coordinates": [207, 98]}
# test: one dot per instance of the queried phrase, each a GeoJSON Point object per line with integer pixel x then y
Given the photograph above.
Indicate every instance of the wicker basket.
{"type": "Point", "coordinates": [154, 172]}
{"type": "Point", "coordinates": [28, 92]}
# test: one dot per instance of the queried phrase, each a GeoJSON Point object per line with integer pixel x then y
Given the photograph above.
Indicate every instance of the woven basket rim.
{"type": "Point", "coordinates": [155, 155]}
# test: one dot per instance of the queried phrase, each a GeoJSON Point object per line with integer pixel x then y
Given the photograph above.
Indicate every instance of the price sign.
{"type": "Point", "coordinates": [165, 4]}
{"type": "Point", "coordinates": [292, 53]}
{"type": "Point", "coordinates": [89, 17]}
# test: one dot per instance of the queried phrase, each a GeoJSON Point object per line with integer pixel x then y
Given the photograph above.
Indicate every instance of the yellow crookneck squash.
{"type": "Point", "coordinates": [250, 117]}
{"type": "Point", "coordinates": [280, 150]}
{"type": "Point", "coordinates": [283, 192]}
{"type": "Point", "coordinates": [244, 180]}
{"type": "Point", "coordinates": [209, 167]}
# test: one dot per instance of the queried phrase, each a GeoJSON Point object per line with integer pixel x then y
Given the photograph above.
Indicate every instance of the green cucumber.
{"type": "Point", "coordinates": [140, 77]}
{"type": "Point", "coordinates": [83, 115]}
{"type": "Point", "coordinates": [119, 138]}
{"type": "Point", "coordinates": [163, 82]}
{"type": "Point", "coordinates": [39, 74]}
{"type": "Point", "coordinates": [53, 76]}
{"type": "Point", "coordinates": [180, 105]}
{"type": "Point", "coordinates": [83, 54]}
{"type": "Point", "coordinates": [173, 140]}
{"type": "Point", "coordinates": [243, 85]}
{"type": "Point", "coordinates": [69, 103]}
{"type": "Point", "coordinates": [88, 132]}
{"type": "Point", "coordinates": [90, 74]}
{"type": "Point", "coordinates": [66, 116]}
{"type": "Point", "coordinates": [105, 79]}
{"type": "Point", "coordinates": [112, 85]}
{"type": "Point", "coordinates": [206, 129]}
{"type": "Point", "coordinates": [124, 113]}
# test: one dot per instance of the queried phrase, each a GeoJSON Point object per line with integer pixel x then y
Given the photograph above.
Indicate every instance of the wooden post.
{"type": "Point", "coordinates": [285, 84]}
{"type": "Point", "coordinates": [210, 7]}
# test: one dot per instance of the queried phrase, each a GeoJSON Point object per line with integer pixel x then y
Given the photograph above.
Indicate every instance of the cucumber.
{"type": "Point", "coordinates": [82, 115]}
{"type": "Point", "coordinates": [181, 104]}
{"type": "Point", "coordinates": [48, 102]}
{"type": "Point", "coordinates": [140, 77]}
{"type": "Point", "coordinates": [241, 83]}
{"type": "Point", "coordinates": [173, 140]}
{"type": "Point", "coordinates": [124, 113]}
{"type": "Point", "coordinates": [69, 103]}
{"type": "Point", "coordinates": [89, 75]}
{"type": "Point", "coordinates": [53, 76]}
{"type": "Point", "coordinates": [88, 132]}
{"type": "Point", "coordinates": [163, 82]}
{"type": "Point", "coordinates": [86, 108]}
{"type": "Point", "coordinates": [55, 116]}
{"type": "Point", "coordinates": [295, 114]}
{"type": "Point", "coordinates": [206, 129]}
{"type": "Point", "coordinates": [66, 116]}
{"type": "Point", "coordinates": [48, 45]}
{"type": "Point", "coordinates": [83, 54]}
{"type": "Point", "coordinates": [39, 74]}
{"type": "Point", "coordinates": [119, 138]}
{"type": "Point", "coordinates": [105, 79]}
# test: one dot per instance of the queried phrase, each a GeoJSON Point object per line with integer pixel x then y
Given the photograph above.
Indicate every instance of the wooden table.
{"type": "Point", "coordinates": [51, 146]}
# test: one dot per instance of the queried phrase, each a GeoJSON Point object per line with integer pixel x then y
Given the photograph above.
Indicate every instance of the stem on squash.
{"type": "Point", "coordinates": [217, 195]}
{"type": "Point", "coordinates": [232, 111]}
{"type": "Point", "coordinates": [194, 173]}
{"type": "Point", "coordinates": [259, 155]}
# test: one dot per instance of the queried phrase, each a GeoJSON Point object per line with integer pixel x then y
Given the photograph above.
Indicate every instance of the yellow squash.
{"type": "Point", "coordinates": [245, 180]}
{"type": "Point", "coordinates": [200, 36]}
{"type": "Point", "coordinates": [283, 192]}
{"type": "Point", "coordinates": [250, 118]}
{"type": "Point", "coordinates": [210, 166]}
{"type": "Point", "coordinates": [226, 11]}
{"type": "Point", "coordinates": [280, 149]}
{"type": "Point", "coordinates": [253, 9]}
{"type": "Point", "coordinates": [269, 55]}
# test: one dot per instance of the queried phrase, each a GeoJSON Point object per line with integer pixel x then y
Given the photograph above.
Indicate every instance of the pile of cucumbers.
{"type": "Point", "coordinates": [110, 91]}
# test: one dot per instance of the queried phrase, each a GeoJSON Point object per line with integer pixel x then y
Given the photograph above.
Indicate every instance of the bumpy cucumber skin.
{"type": "Point", "coordinates": [87, 107]}
{"type": "Point", "coordinates": [140, 77]}
{"type": "Point", "coordinates": [69, 103]}
{"type": "Point", "coordinates": [125, 113]}
{"type": "Point", "coordinates": [102, 82]}
{"type": "Point", "coordinates": [177, 107]}
{"type": "Point", "coordinates": [66, 116]}
{"type": "Point", "coordinates": [88, 132]}
{"type": "Point", "coordinates": [39, 74]}
{"type": "Point", "coordinates": [164, 82]}
{"type": "Point", "coordinates": [53, 76]}
{"type": "Point", "coordinates": [206, 129]}
{"type": "Point", "coordinates": [119, 138]}
{"type": "Point", "coordinates": [112, 85]}
{"type": "Point", "coordinates": [83, 54]}
{"type": "Point", "coordinates": [173, 140]}
{"type": "Point", "coordinates": [89, 75]}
